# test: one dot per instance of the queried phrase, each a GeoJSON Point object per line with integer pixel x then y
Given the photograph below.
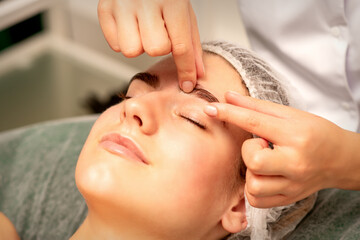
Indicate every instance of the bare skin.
{"type": "Point", "coordinates": [7, 229]}
{"type": "Point", "coordinates": [321, 154]}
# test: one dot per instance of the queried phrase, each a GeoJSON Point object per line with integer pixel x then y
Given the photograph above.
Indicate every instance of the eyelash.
{"type": "Point", "coordinates": [195, 122]}
{"type": "Point", "coordinates": [123, 97]}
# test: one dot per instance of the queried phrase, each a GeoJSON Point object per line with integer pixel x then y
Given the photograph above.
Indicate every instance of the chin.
{"type": "Point", "coordinates": [90, 177]}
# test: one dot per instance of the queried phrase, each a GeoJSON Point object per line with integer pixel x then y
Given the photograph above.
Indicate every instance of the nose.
{"type": "Point", "coordinates": [142, 113]}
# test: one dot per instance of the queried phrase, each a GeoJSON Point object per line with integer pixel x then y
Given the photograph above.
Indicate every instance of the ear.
{"type": "Point", "coordinates": [234, 219]}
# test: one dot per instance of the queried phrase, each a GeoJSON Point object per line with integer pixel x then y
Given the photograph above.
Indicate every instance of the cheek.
{"type": "Point", "coordinates": [197, 167]}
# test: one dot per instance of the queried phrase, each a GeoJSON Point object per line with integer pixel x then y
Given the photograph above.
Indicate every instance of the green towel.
{"type": "Point", "coordinates": [336, 215]}
{"type": "Point", "coordinates": [37, 184]}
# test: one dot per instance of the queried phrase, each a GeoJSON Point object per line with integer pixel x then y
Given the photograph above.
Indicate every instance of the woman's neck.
{"type": "Point", "coordinates": [93, 228]}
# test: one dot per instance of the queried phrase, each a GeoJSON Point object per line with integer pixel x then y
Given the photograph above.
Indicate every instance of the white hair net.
{"type": "Point", "coordinates": [263, 83]}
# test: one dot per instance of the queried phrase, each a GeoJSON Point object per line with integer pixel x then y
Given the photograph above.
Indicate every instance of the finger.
{"type": "Point", "coordinates": [258, 105]}
{"type": "Point", "coordinates": [272, 128]}
{"type": "Point", "coordinates": [200, 70]}
{"type": "Point", "coordinates": [108, 24]}
{"type": "Point", "coordinates": [154, 36]}
{"type": "Point", "coordinates": [266, 186]}
{"type": "Point", "coordinates": [178, 24]}
{"type": "Point", "coordinates": [260, 159]}
{"type": "Point", "coordinates": [128, 33]}
{"type": "Point", "coordinates": [268, 202]}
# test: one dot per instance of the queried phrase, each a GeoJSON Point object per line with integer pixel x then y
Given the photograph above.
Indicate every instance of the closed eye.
{"type": "Point", "coordinates": [195, 122]}
{"type": "Point", "coordinates": [123, 97]}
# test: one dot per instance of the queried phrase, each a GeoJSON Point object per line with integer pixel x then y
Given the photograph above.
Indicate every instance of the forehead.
{"type": "Point", "coordinates": [219, 78]}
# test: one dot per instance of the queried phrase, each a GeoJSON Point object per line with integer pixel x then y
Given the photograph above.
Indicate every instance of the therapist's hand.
{"type": "Point", "coordinates": [310, 153]}
{"type": "Point", "coordinates": [156, 27]}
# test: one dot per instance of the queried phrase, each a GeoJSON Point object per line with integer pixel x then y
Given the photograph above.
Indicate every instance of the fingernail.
{"type": "Point", "coordinates": [187, 86]}
{"type": "Point", "coordinates": [210, 110]}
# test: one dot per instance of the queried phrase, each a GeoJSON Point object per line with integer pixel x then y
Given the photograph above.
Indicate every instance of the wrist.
{"type": "Point", "coordinates": [348, 162]}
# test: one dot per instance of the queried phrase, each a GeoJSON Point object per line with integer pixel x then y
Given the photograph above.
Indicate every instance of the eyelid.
{"type": "Point", "coordinates": [192, 119]}
{"type": "Point", "coordinates": [195, 122]}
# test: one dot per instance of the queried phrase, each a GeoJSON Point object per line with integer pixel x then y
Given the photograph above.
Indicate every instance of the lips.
{"type": "Point", "coordinates": [122, 146]}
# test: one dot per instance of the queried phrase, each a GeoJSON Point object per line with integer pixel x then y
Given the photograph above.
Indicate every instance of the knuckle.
{"type": "Point", "coordinates": [298, 169]}
{"type": "Point", "coordinates": [180, 49]}
{"type": "Point", "coordinates": [115, 48]}
{"type": "Point", "coordinates": [131, 52]}
{"type": "Point", "coordinates": [186, 74]}
{"type": "Point", "coordinates": [158, 50]}
{"type": "Point", "coordinates": [253, 187]}
{"type": "Point", "coordinates": [224, 113]}
{"type": "Point", "coordinates": [252, 122]}
{"type": "Point", "coordinates": [255, 163]}
{"type": "Point", "coordinates": [304, 139]}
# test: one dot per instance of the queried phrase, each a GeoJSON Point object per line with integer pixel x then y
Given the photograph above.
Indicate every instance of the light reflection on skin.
{"type": "Point", "coordinates": [187, 191]}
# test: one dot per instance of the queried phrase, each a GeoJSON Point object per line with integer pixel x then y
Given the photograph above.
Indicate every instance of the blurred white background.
{"type": "Point", "coordinates": [50, 74]}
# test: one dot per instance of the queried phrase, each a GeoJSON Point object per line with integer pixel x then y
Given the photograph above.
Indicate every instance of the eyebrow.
{"type": "Point", "coordinates": [204, 94]}
{"type": "Point", "coordinates": [153, 81]}
{"type": "Point", "coordinates": [150, 79]}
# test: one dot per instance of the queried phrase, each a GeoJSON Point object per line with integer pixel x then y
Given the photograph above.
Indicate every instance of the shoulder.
{"type": "Point", "coordinates": [7, 229]}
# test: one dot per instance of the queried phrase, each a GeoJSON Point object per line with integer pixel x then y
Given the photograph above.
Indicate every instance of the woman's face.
{"type": "Point", "coordinates": [156, 160]}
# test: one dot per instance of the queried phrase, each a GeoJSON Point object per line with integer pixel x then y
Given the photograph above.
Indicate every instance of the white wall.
{"type": "Point", "coordinates": [220, 20]}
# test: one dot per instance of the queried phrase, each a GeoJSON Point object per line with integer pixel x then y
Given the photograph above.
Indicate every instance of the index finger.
{"type": "Point", "coordinates": [267, 107]}
{"type": "Point", "coordinates": [178, 23]}
{"type": "Point", "coordinates": [270, 127]}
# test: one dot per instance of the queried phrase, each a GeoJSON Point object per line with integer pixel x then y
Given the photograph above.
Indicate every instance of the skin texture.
{"type": "Point", "coordinates": [188, 190]}
{"type": "Point", "coordinates": [157, 28]}
{"type": "Point", "coordinates": [7, 229]}
{"type": "Point", "coordinates": [311, 153]}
